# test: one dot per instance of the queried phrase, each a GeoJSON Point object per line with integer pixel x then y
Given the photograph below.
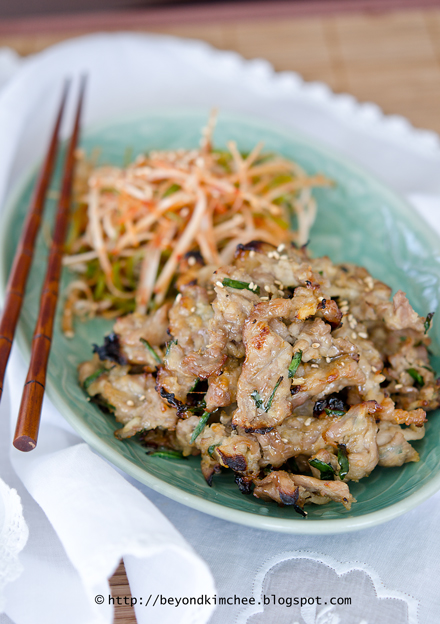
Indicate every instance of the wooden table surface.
{"type": "Point", "coordinates": [391, 57]}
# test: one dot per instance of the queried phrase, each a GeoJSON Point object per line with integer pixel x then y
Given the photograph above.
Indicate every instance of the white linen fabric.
{"type": "Point", "coordinates": [82, 514]}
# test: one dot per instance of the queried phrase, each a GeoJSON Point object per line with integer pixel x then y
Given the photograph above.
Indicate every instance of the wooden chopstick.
{"type": "Point", "coordinates": [28, 422]}
{"type": "Point", "coordinates": [25, 250]}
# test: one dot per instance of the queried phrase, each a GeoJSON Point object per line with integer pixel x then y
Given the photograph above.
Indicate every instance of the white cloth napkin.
{"type": "Point", "coordinates": [82, 515]}
{"type": "Point", "coordinates": [97, 518]}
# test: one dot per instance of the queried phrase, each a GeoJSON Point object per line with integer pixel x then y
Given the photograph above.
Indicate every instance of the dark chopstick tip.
{"type": "Point", "coordinates": [25, 443]}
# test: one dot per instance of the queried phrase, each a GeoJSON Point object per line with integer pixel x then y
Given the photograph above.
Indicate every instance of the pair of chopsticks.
{"type": "Point", "coordinates": [28, 421]}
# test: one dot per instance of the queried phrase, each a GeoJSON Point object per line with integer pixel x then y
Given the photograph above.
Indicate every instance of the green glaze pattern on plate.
{"type": "Point", "coordinates": [359, 220]}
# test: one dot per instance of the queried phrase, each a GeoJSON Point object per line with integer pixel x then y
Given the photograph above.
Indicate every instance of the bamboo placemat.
{"type": "Point", "coordinates": [389, 57]}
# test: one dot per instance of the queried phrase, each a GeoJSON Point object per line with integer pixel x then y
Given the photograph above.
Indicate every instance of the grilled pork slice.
{"type": "Point", "coordinates": [394, 449]}
{"type": "Point", "coordinates": [297, 435]}
{"type": "Point", "coordinates": [189, 319]}
{"type": "Point", "coordinates": [133, 398]}
{"type": "Point", "coordinates": [290, 489]}
{"type": "Point", "coordinates": [135, 328]}
{"type": "Point", "coordinates": [230, 308]}
{"type": "Point", "coordinates": [222, 387]}
{"type": "Point", "coordinates": [357, 432]}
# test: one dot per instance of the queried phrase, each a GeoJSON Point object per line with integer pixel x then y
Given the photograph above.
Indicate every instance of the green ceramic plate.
{"type": "Point", "coordinates": [359, 220]}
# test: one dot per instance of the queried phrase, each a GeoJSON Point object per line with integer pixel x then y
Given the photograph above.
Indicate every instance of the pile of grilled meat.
{"type": "Point", "coordinates": [297, 374]}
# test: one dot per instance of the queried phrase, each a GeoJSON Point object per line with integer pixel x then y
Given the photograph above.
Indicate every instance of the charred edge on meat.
{"type": "Point", "coordinates": [255, 245]}
{"type": "Point", "coordinates": [237, 463]}
{"type": "Point", "coordinates": [331, 402]}
{"type": "Point", "coordinates": [261, 430]}
{"type": "Point", "coordinates": [110, 350]}
{"type": "Point", "coordinates": [292, 499]}
{"type": "Point", "coordinates": [208, 478]}
{"type": "Point", "coordinates": [169, 397]}
{"type": "Point", "coordinates": [244, 485]}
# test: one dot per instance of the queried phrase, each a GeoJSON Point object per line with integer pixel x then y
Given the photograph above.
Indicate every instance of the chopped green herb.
{"type": "Point", "coordinates": [428, 368]}
{"type": "Point", "coordinates": [344, 466]}
{"type": "Point", "coordinates": [292, 465]}
{"type": "Point", "coordinates": [169, 345]}
{"type": "Point", "coordinates": [428, 321]}
{"type": "Point", "coordinates": [326, 470]}
{"type": "Point", "coordinates": [173, 188]}
{"type": "Point", "coordinates": [259, 401]}
{"type": "Point", "coordinates": [197, 409]}
{"type": "Point", "coordinates": [212, 448]}
{"type": "Point", "coordinates": [416, 376]}
{"type": "Point", "coordinates": [151, 350]}
{"type": "Point", "coordinates": [269, 403]}
{"type": "Point", "coordinates": [200, 426]}
{"type": "Point", "coordinates": [333, 412]}
{"type": "Point", "coordinates": [194, 386]}
{"type": "Point", "coordinates": [294, 364]}
{"type": "Point", "coordinates": [240, 285]}
{"type": "Point", "coordinates": [93, 377]}
{"type": "Point", "coordinates": [402, 338]}
{"type": "Point", "coordinates": [103, 405]}
{"type": "Point", "coordinates": [168, 454]}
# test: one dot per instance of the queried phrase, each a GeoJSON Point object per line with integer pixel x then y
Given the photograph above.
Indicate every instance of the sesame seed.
{"type": "Point", "coordinates": [344, 310]}
{"type": "Point", "coordinates": [219, 284]}
{"type": "Point", "coordinates": [352, 324]}
{"type": "Point", "coordinates": [328, 360]}
{"type": "Point", "coordinates": [276, 255]}
{"type": "Point", "coordinates": [354, 335]}
{"type": "Point", "coordinates": [191, 261]}
{"type": "Point", "coordinates": [264, 298]}
{"type": "Point", "coordinates": [142, 397]}
{"type": "Point", "coordinates": [315, 345]}
{"type": "Point", "coordinates": [208, 346]}
{"type": "Point", "coordinates": [270, 254]}
{"type": "Point", "coordinates": [285, 440]}
{"type": "Point", "coordinates": [179, 297]}
{"type": "Point", "coordinates": [130, 403]}
{"type": "Point", "coordinates": [308, 422]}
{"type": "Point", "coordinates": [398, 386]}
{"type": "Point", "coordinates": [251, 253]}
{"type": "Point", "coordinates": [284, 257]}
{"type": "Point", "coordinates": [251, 285]}
{"type": "Point", "coordinates": [193, 309]}
{"type": "Point", "coordinates": [267, 288]}
{"type": "Point", "coordinates": [363, 335]}
{"type": "Point", "coordinates": [342, 363]}
{"type": "Point", "coordinates": [314, 365]}
{"type": "Point", "coordinates": [281, 247]}
{"type": "Point", "coordinates": [350, 317]}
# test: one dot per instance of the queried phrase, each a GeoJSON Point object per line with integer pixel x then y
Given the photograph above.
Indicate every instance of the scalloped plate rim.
{"type": "Point", "coordinates": [258, 521]}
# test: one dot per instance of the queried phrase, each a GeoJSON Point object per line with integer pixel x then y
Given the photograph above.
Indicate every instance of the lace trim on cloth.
{"type": "Point", "coordinates": [303, 587]}
{"type": "Point", "coordinates": [13, 537]}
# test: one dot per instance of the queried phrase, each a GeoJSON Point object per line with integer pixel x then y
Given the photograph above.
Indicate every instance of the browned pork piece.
{"type": "Point", "coordinates": [132, 398]}
{"type": "Point", "coordinates": [296, 374]}
{"type": "Point", "coordinates": [289, 489]}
